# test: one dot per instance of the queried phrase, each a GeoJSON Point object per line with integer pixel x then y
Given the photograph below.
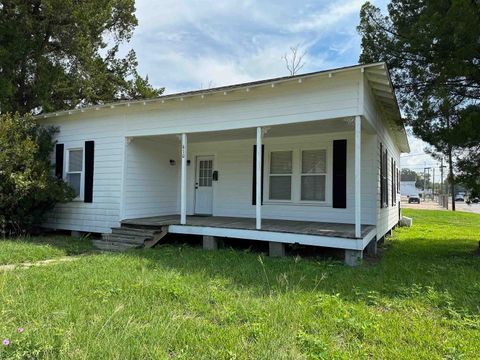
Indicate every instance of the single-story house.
{"type": "Point", "coordinates": [310, 159]}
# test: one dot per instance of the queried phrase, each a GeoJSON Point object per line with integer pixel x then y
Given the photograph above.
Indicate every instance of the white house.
{"type": "Point", "coordinates": [309, 159]}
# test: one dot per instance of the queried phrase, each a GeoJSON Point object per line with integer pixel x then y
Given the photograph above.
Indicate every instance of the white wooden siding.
{"type": "Point", "coordinates": [387, 217]}
{"type": "Point", "coordinates": [137, 179]}
{"type": "Point", "coordinates": [233, 191]}
{"type": "Point", "coordinates": [311, 100]}
{"type": "Point", "coordinates": [103, 213]}
{"type": "Point", "coordinates": [151, 183]}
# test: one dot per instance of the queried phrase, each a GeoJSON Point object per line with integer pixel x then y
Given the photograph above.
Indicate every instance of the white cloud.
{"type": "Point", "coordinates": [182, 44]}
{"type": "Point", "coordinates": [185, 45]}
{"type": "Point", "coordinates": [327, 17]}
{"type": "Point", "coordinates": [417, 159]}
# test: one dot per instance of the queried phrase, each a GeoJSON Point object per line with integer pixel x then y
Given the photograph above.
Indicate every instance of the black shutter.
{"type": "Point", "coordinates": [382, 195]}
{"type": "Point", "coordinates": [386, 177]}
{"type": "Point", "coordinates": [254, 183]}
{"type": "Point", "coordinates": [59, 149]}
{"type": "Point", "coordinates": [339, 188]}
{"type": "Point", "coordinates": [393, 181]}
{"type": "Point", "coordinates": [89, 157]}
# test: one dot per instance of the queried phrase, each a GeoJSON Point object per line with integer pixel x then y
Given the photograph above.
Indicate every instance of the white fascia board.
{"type": "Point", "coordinates": [289, 238]}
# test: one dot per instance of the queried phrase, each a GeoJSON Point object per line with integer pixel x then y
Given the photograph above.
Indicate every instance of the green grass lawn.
{"type": "Point", "coordinates": [421, 299]}
{"type": "Point", "coordinates": [28, 249]}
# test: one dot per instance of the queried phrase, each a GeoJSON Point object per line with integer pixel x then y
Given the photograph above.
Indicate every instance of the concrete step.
{"type": "Point", "coordinates": [113, 245]}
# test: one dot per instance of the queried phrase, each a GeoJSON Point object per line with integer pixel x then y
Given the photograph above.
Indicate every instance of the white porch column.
{"type": "Point", "coordinates": [183, 182]}
{"type": "Point", "coordinates": [258, 187]}
{"type": "Point", "coordinates": [358, 169]}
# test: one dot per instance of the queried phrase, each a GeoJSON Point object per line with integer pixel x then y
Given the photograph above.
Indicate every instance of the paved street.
{"type": "Point", "coordinates": [431, 205]}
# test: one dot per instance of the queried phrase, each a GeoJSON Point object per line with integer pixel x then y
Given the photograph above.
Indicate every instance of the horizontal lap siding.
{"type": "Point", "coordinates": [103, 212]}
{"type": "Point", "coordinates": [311, 100]}
{"type": "Point", "coordinates": [233, 191]}
{"type": "Point", "coordinates": [387, 217]}
{"type": "Point", "coordinates": [151, 183]}
{"type": "Point", "coordinates": [151, 187]}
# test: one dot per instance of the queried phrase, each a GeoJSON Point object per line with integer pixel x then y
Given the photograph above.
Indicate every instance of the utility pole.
{"type": "Point", "coordinates": [441, 177]}
{"type": "Point", "coordinates": [443, 187]}
{"type": "Point", "coordinates": [433, 184]}
{"type": "Point", "coordinates": [425, 180]}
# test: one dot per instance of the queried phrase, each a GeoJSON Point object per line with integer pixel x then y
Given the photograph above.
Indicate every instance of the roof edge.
{"type": "Point", "coordinates": [224, 88]}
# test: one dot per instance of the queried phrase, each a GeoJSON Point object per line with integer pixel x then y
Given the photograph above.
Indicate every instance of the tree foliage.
{"type": "Point", "coordinates": [408, 175]}
{"type": "Point", "coordinates": [468, 163]}
{"type": "Point", "coordinates": [27, 187]}
{"type": "Point", "coordinates": [60, 54]}
{"type": "Point", "coordinates": [432, 49]}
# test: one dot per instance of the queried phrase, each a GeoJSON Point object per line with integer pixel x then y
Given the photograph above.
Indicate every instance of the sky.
{"type": "Point", "coordinates": [188, 45]}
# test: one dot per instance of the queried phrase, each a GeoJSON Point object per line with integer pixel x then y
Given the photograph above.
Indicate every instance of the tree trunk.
{"type": "Point", "coordinates": [452, 180]}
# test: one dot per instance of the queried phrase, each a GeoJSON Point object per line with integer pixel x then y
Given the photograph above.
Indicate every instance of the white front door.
{"type": "Point", "coordinates": [203, 185]}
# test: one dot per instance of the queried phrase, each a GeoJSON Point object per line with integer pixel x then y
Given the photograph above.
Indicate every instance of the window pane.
{"type": "Point", "coordinates": [75, 160]}
{"type": "Point", "coordinates": [281, 162]}
{"type": "Point", "coordinates": [74, 181]}
{"type": "Point", "coordinates": [314, 161]}
{"type": "Point", "coordinates": [205, 173]}
{"type": "Point", "coordinates": [313, 187]}
{"type": "Point", "coordinates": [280, 187]}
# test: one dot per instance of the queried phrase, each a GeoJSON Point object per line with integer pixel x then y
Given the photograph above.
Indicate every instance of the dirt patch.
{"type": "Point", "coordinates": [26, 265]}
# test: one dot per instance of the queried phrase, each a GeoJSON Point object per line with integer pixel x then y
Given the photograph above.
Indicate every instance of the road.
{"type": "Point", "coordinates": [432, 205]}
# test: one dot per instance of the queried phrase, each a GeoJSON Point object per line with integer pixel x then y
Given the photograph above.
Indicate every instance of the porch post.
{"type": "Point", "coordinates": [258, 185]}
{"type": "Point", "coordinates": [183, 182]}
{"type": "Point", "coordinates": [358, 168]}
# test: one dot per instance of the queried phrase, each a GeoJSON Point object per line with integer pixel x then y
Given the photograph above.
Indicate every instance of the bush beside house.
{"type": "Point", "coordinates": [28, 188]}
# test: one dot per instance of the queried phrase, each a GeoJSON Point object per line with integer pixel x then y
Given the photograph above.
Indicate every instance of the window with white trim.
{"type": "Point", "coordinates": [299, 175]}
{"type": "Point", "coordinates": [313, 175]}
{"type": "Point", "coordinates": [74, 170]}
{"type": "Point", "coordinates": [281, 165]}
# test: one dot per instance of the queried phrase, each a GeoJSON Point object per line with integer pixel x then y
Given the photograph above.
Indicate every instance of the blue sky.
{"type": "Point", "coordinates": [186, 45]}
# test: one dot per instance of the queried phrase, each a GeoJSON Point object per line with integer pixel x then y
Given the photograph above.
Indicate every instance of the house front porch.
{"type": "Point", "coordinates": [311, 230]}
{"type": "Point", "coordinates": [294, 183]}
{"type": "Point", "coordinates": [276, 232]}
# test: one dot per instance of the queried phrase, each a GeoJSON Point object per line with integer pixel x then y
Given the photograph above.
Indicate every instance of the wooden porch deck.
{"type": "Point", "coordinates": [345, 231]}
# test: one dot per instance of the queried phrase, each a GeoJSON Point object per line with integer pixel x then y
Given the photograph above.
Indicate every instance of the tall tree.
{"type": "Point", "coordinates": [468, 163]}
{"type": "Point", "coordinates": [408, 175]}
{"type": "Point", "coordinates": [59, 54]}
{"type": "Point", "coordinates": [432, 49]}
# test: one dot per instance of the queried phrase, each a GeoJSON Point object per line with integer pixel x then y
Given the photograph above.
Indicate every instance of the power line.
{"type": "Point", "coordinates": [421, 166]}
{"type": "Point", "coordinates": [417, 154]}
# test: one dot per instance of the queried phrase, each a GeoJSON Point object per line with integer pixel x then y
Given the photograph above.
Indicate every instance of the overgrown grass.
{"type": "Point", "coordinates": [27, 249]}
{"type": "Point", "coordinates": [420, 300]}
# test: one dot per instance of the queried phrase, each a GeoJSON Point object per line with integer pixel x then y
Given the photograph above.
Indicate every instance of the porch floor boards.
{"type": "Point", "coordinates": [274, 225]}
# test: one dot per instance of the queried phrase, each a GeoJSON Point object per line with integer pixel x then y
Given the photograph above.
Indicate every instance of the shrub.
{"type": "Point", "coordinates": [28, 188]}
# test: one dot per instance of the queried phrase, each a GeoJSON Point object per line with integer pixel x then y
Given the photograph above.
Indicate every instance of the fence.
{"type": "Point", "coordinates": [443, 201]}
